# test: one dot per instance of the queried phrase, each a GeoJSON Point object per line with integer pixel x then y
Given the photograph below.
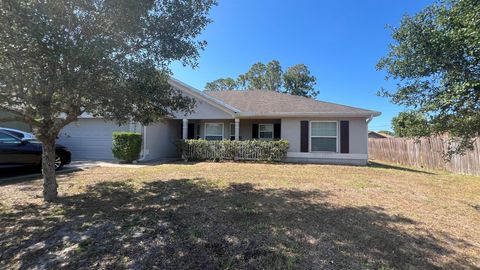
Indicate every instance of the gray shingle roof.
{"type": "Point", "coordinates": [259, 102]}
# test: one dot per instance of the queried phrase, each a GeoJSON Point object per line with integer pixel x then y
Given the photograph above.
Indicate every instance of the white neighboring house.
{"type": "Point", "coordinates": [317, 131]}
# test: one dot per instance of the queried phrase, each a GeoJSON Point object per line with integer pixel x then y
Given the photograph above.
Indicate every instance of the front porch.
{"type": "Point", "coordinates": [231, 129]}
{"type": "Point", "coordinates": [310, 140]}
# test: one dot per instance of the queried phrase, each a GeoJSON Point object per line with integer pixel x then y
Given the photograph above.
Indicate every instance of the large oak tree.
{"type": "Point", "coordinates": [62, 58]}
{"type": "Point", "coordinates": [436, 61]}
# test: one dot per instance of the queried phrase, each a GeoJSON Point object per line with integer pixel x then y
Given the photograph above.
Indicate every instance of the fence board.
{"type": "Point", "coordinates": [425, 153]}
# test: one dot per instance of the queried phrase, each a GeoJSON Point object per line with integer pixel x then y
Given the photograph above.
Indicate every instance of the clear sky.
{"type": "Point", "coordinates": [339, 40]}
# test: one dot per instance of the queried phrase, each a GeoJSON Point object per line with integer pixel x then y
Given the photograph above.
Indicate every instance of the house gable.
{"type": "Point", "coordinates": [206, 107]}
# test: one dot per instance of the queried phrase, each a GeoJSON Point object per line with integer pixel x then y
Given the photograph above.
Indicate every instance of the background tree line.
{"type": "Point", "coordinates": [296, 80]}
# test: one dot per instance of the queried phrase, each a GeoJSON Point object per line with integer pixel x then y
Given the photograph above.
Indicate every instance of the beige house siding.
{"type": "Point", "coordinates": [358, 140]}
{"type": "Point", "coordinates": [204, 110]}
{"type": "Point", "coordinates": [160, 139]}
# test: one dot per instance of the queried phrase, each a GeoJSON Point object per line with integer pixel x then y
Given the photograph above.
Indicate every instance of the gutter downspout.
{"type": "Point", "coordinates": [369, 119]}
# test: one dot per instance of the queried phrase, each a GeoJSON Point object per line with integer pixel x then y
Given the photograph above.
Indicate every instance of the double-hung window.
{"type": "Point", "coordinates": [213, 131]}
{"type": "Point", "coordinates": [323, 136]}
{"type": "Point", "coordinates": [265, 131]}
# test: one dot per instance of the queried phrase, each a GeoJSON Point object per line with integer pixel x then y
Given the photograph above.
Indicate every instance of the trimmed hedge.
{"type": "Point", "coordinates": [127, 146]}
{"type": "Point", "coordinates": [198, 150]}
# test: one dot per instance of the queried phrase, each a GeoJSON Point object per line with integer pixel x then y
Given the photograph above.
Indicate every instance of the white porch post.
{"type": "Point", "coordinates": [184, 128]}
{"type": "Point", "coordinates": [237, 129]}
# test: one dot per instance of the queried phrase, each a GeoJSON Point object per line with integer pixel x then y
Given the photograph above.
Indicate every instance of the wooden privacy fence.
{"type": "Point", "coordinates": [425, 153]}
{"type": "Point", "coordinates": [232, 150]}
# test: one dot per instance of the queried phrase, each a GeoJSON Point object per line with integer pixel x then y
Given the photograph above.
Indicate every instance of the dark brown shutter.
{"type": "Point", "coordinates": [191, 131]}
{"type": "Point", "coordinates": [344, 137]}
{"type": "Point", "coordinates": [277, 131]}
{"type": "Point", "coordinates": [303, 136]}
{"type": "Point", "coordinates": [255, 131]}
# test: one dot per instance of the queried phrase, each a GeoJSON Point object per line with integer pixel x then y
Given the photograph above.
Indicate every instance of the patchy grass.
{"type": "Point", "coordinates": [244, 215]}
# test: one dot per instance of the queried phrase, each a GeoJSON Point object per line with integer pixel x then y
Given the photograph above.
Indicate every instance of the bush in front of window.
{"type": "Point", "coordinates": [199, 150]}
{"type": "Point", "coordinates": [127, 146]}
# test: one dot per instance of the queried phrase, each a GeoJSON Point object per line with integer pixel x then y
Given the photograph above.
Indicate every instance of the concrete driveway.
{"type": "Point", "coordinates": [12, 174]}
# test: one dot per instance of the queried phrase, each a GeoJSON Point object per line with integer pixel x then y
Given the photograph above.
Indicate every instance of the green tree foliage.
{"type": "Point", "coordinates": [299, 82]}
{"type": "Point", "coordinates": [61, 58]}
{"type": "Point", "coordinates": [242, 82]}
{"type": "Point", "coordinates": [411, 124]}
{"type": "Point", "coordinates": [436, 61]}
{"type": "Point", "coordinates": [256, 76]}
{"type": "Point", "coordinates": [273, 76]}
{"type": "Point", "coordinates": [222, 85]}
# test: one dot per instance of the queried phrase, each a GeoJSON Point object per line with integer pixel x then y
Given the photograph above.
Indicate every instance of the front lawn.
{"type": "Point", "coordinates": [244, 215]}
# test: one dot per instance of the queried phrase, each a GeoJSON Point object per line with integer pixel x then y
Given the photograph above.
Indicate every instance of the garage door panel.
{"type": "Point", "coordinates": [90, 139]}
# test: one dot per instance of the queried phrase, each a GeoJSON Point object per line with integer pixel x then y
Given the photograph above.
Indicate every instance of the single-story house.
{"type": "Point", "coordinates": [317, 131]}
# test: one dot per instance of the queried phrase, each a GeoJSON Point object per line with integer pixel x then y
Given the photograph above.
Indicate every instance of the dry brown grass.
{"type": "Point", "coordinates": [244, 215]}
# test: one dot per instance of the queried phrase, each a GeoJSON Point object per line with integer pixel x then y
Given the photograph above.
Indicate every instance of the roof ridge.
{"type": "Point", "coordinates": [293, 96]}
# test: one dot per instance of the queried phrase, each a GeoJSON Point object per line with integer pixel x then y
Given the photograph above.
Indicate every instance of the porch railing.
{"type": "Point", "coordinates": [197, 150]}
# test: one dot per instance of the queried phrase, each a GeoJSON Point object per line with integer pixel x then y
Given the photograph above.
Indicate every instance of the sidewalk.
{"type": "Point", "coordinates": [82, 164]}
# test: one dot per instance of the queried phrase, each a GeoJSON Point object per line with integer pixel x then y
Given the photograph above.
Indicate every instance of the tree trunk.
{"type": "Point", "coordinates": [48, 170]}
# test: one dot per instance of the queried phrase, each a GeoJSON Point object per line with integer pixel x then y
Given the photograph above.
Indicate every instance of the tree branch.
{"type": "Point", "coordinates": [18, 116]}
{"type": "Point", "coordinates": [71, 116]}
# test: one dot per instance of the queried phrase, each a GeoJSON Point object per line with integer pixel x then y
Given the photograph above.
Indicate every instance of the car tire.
{"type": "Point", "coordinates": [59, 162]}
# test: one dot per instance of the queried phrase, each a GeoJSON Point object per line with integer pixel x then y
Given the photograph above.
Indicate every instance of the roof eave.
{"type": "Point", "coordinates": [310, 114]}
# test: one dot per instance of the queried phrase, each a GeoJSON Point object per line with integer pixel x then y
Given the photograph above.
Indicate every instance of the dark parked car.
{"type": "Point", "coordinates": [15, 152]}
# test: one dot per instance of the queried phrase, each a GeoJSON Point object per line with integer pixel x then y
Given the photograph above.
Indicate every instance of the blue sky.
{"type": "Point", "coordinates": [340, 41]}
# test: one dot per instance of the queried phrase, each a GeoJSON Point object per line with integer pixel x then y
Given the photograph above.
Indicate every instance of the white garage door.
{"type": "Point", "coordinates": [90, 139]}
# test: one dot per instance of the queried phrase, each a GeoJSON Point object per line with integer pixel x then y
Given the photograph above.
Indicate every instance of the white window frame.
{"type": "Point", "coordinates": [310, 137]}
{"type": "Point", "coordinates": [273, 132]}
{"type": "Point", "coordinates": [205, 130]}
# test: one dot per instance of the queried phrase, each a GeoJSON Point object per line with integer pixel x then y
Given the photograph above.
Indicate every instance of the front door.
{"type": "Point", "coordinates": [191, 131]}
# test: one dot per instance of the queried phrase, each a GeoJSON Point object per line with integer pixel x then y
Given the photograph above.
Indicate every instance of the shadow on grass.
{"type": "Point", "coordinates": [190, 223]}
{"type": "Point", "coordinates": [374, 164]}
{"type": "Point", "coordinates": [20, 175]}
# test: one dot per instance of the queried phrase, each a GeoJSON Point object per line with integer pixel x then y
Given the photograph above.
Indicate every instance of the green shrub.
{"type": "Point", "coordinates": [127, 146]}
{"type": "Point", "coordinates": [232, 150]}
